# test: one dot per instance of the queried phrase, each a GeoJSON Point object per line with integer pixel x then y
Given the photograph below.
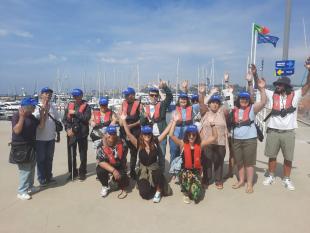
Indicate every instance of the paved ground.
{"type": "Point", "coordinates": [77, 207]}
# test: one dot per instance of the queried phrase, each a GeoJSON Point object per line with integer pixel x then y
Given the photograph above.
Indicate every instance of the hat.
{"type": "Point", "coordinates": [284, 80]}
{"type": "Point", "coordinates": [111, 129]}
{"type": "Point", "coordinates": [76, 92]}
{"type": "Point", "coordinates": [195, 97]}
{"type": "Point", "coordinates": [153, 89]}
{"type": "Point", "coordinates": [28, 102]}
{"type": "Point", "coordinates": [146, 129]}
{"type": "Point", "coordinates": [129, 91]}
{"type": "Point", "coordinates": [46, 89]}
{"type": "Point", "coordinates": [244, 94]}
{"type": "Point", "coordinates": [191, 129]}
{"type": "Point", "coordinates": [183, 95]}
{"type": "Point", "coordinates": [103, 101]}
{"type": "Point", "coordinates": [215, 98]}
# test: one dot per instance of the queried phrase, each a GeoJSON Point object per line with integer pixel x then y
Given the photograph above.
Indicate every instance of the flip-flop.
{"type": "Point", "coordinates": [237, 185]}
{"type": "Point", "coordinates": [122, 194]}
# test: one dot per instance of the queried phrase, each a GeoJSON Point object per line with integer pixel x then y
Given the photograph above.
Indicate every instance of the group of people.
{"type": "Point", "coordinates": [203, 129]}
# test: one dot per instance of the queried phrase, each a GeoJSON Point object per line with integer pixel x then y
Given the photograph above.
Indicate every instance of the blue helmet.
{"type": "Point", "coordinates": [146, 129]}
{"type": "Point", "coordinates": [191, 129]}
{"type": "Point", "coordinates": [28, 102]}
{"type": "Point", "coordinates": [215, 98]}
{"type": "Point", "coordinates": [153, 89]}
{"type": "Point", "coordinates": [103, 101]}
{"type": "Point", "coordinates": [195, 97]}
{"type": "Point", "coordinates": [244, 94]}
{"type": "Point", "coordinates": [129, 91]}
{"type": "Point", "coordinates": [111, 129]}
{"type": "Point", "coordinates": [76, 92]}
{"type": "Point", "coordinates": [46, 89]}
{"type": "Point", "coordinates": [183, 95]}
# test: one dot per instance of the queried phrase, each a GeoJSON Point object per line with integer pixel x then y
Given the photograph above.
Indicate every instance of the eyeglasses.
{"type": "Point", "coordinates": [153, 95]}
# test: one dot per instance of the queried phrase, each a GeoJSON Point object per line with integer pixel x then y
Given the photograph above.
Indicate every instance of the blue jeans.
{"type": "Point", "coordinates": [174, 149]}
{"type": "Point", "coordinates": [44, 156]}
{"type": "Point", "coordinates": [163, 146]}
{"type": "Point", "coordinates": [26, 176]}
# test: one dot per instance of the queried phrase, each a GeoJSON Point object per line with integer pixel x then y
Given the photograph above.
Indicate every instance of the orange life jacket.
{"type": "Point", "coordinates": [106, 119]}
{"type": "Point", "coordinates": [71, 106]}
{"type": "Point", "coordinates": [134, 108]}
{"type": "Point", "coordinates": [276, 109]}
{"type": "Point", "coordinates": [109, 152]}
{"type": "Point", "coordinates": [188, 119]}
{"type": "Point", "coordinates": [246, 121]}
{"type": "Point", "coordinates": [156, 114]}
{"type": "Point", "coordinates": [188, 163]}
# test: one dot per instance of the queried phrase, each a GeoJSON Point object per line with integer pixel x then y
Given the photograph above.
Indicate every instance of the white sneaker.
{"type": "Point", "coordinates": [24, 196]}
{"type": "Point", "coordinates": [157, 197]}
{"type": "Point", "coordinates": [104, 191]}
{"type": "Point", "coordinates": [288, 184]}
{"type": "Point", "coordinates": [269, 180]}
{"type": "Point", "coordinates": [33, 190]}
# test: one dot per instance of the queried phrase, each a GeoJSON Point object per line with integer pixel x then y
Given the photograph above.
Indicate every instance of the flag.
{"type": "Point", "coordinates": [267, 39]}
{"type": "Point", "coordinates": [261, 29]}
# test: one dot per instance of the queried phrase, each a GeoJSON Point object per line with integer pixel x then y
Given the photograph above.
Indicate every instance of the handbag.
{"type": "Point", "coordinates": [58, 124]}
{"type": "Point", "coordinates": [260, 135]}
{"type": "Point", "coordinates": [22, 152]}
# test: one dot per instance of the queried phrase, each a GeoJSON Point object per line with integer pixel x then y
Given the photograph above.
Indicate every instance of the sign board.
{"type": "Point", "coordinates": [285, 67]}
{"type": "Point", "coordinates": [284, 72]}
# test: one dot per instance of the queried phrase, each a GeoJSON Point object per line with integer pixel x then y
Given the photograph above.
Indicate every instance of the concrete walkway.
{"type": "Point", "coordinates": [77, 206]}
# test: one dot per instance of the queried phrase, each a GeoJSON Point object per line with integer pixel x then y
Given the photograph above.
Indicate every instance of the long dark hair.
{"type": "Point", "coordinates": [153, 142]}
{"type": "Point", "coordinates": [237, 102]}
{"type": "Point", "coordinates": [187, 104]}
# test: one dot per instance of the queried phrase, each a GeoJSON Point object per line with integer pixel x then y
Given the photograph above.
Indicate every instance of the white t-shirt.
{"type": "Point", "coordinates": [290, 120]}
{"type": "Point", "coordinates": [155, 126]}
{"type": "Point", "coordinates": [48, 132]}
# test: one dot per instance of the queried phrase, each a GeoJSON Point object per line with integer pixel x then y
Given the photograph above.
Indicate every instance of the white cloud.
{"type": "Point", "coordinates": [3, 32]}
{"type": "Point", "coordinates": [18, 33]}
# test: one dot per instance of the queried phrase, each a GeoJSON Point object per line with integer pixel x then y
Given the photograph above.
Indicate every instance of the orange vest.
{"type": "Point", "coordinates": [109, 152]}
{"type": "Point", "coordinates": [107, 117]}
{"type": "Point", "coordinates": [245, 117]}
{"type": "Point", "coordinates": [188, 119]}
{"type": "Point", "coordinates": [71, 106]}
{"type": "Point", "coordinates": [156, 113]}
{"type": "Point", "coordinates": [133, 109]}
{"type": "Point", "coordinates": [288, 105]}
{"type": "Point", "coordinates": [188, 163]}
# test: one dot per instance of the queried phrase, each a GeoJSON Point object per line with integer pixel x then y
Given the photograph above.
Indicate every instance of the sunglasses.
{"type": "Point", "coordinates": [192, 135]}
{"type": "Point", "coordinates": [153, 95]}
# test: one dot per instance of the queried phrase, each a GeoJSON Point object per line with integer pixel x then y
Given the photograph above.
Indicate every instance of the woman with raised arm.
{"type": "Point", "coordinates": [151, 181]}
{"type": "Point", "coordinates": [191, 147]}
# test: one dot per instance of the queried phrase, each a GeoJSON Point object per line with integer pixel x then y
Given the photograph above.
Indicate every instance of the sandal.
{"type": "Point", "coordinates": [219, 185]}
{"type": "Point", "coordinates": [237, 185]}
{"type": "Point", "coordinates": [122, 194]}
{"type": "Point", "coordinates": [186, 200]}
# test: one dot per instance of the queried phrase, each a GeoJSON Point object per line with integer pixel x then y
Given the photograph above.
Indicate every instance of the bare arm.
{"type": "Point", "coordinates": [137, 123]}
{"type": "Point", "coordinates": [305, 88]}
{"type": "Point", "coordinates": [263, 97]}
{"type": "Point", "coordinates": [19, 126]}
{"type": "Point", "coordinates": [165, 132]}
{"type": "Point", "coordinates": [174, 138]}
{"type": "Point", "coordinates": [130, 136]}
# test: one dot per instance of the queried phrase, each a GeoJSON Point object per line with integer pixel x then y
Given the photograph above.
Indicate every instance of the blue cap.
{"type": "Point", "coordinates": [28, 102]}
{"type": "Point", "coordinates": [129, 91]}
{"type": "Point", "coordinates": [146, 129]}
{"type": "Point", "coordinates": [195, 97]}
{"type": "Point", "coordinates": [214, 98]}
{"type": "Point", "coordinates": [111, 129]}
{"type": "Point", "coordinates": [244, 94]}
{"type": "Point", "coordinates": [76, 92]}
{"type": "Point", "coordinates": [183, 95]}
{"type": "Point", "coordinates": [191, 129]}
{"type": "Point", "coordinates": [46, 89]}
{"type": "Point", "coordinates": [103, 101]}
{"type": "Point", "coordinates": [153, 89]}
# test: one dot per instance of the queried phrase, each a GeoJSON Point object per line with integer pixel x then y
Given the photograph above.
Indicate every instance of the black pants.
{"type": "Point", "coordinates": [213, 156]}
{"type": "Point", "coordinates": [83, 146]}
{"type": "Point", "coordinates": [103, 176]}
{"type": "Point", "coordinates": [147, 191]}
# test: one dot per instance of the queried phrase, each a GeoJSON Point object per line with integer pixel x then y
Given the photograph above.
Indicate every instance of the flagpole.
{"type": "Point", "coordinates": [255, 45]}
{"type": "Point", "coordinates": [252, 34]}
{"type": "Point", "coordinates": [305, 35]}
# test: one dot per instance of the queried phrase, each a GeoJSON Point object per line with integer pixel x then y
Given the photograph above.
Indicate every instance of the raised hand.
{"type": "Point", "coordinates": [249, 76]}
{"type": "Point", "coordinates": [162, 84]}
{"type": "Point", "coordinates": [184, 85]}
{"type": "Point", "coordinates": [261, 83]}
{"type": "Point", "coordinates": [226, 77]}
{"type": "Point", "coordinates": [307, 64]}
{"type": "Point", "coordinates": [22, 112]}
{"type": "Point", "coordinates": [176, 117]}
{"type": "Point", "coordinates": [202, 88]}
{"type": "Point", "coordinates": [253, 69]}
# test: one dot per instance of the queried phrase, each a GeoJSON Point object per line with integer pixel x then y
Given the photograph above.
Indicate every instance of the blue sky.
{"type": "Point", "coordinates": [40, 38]}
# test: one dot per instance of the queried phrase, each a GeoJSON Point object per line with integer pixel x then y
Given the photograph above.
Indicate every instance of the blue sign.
{"type": "Point", "coordinates": [286, 64]}
{"type": "Point", "coordinates": [284, 72]}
